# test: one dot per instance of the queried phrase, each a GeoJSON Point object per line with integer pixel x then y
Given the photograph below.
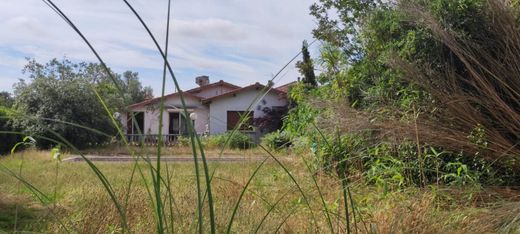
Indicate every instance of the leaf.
{"type": "Point", "coordinates": [55, 153]}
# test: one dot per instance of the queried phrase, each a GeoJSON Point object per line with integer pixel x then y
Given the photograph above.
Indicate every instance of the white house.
{"type": "Point", "coordinates": [214, 108]}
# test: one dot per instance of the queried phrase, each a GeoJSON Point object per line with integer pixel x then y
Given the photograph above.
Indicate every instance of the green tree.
{"type": "Point", "coordinates": [124, 90]}
{"type": "Point", "coordinates": [6, 99]}
{"type": "Point", "coordinates": [133, 88]}
{"type": "Point", "coordinates": [64, 91]}
{"type": "Point", "coordinates": [47, 103]}
{"type": "Point", "coordinates": [7, 140]}
{"type": "Point", "coordinates": [306, 67]}
{"type": "Point", "coordinates": [340, 22]}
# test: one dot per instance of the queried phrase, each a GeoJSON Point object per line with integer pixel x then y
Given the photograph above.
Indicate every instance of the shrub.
{"type": "Point", "coordinates": [183, 141]}
{"type": "Point", "coordinates": [277, 140]}
{"type": "Point", "coordinates": [7, 141]}
{"type": "Point", "coordinates": [237, 140]}
{"type": "Point", "coordinates": [339, 153]}
{"type": "Point", "coordinates": [272, 119]}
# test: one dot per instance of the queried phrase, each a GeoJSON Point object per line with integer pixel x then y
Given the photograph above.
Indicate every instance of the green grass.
{"type": "Point", "coordinates": [84, 206]}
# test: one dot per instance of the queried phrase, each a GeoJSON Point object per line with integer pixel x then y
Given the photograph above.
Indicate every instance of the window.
{"type": "Point", "coordinates": [135, 125]}
{"type": "Point", "coordinates": [178, 124]}
{"type": "Point", "coordinates": [234, 118]}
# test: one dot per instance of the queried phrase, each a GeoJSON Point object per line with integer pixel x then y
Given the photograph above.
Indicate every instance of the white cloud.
{"type": "Point", "coordinates": [243, 41]}
{"type": "Point", "coordinates": [208, 29]}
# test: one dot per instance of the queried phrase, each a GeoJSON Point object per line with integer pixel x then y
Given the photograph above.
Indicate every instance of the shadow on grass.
{"type": "Point", "coordinates": [21, 212]}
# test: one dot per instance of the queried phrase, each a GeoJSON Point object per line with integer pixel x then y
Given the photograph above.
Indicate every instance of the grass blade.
{"type": "Point", "coordinates": [270, 210]}
{"type": "Point", "coordinates": [193, 136]}
{"type": "Point", "coordinates": [294, 181]}
{"type": "Point", "coordinates": [237, 204]}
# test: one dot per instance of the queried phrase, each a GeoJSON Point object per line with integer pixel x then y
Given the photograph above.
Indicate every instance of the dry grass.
{"type": "Point", "coordinates": [480, 86]}
{"type": "Point", "coordinates": [114, 150]}
{"type": "Point", "coordinates": [85, 207]}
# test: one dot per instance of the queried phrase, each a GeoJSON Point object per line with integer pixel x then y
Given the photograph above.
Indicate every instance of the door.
{"type": "Point", "coordinates": [135, 125]}
{"type": "Point", "coordinates": [174, 123]}
{"type": "Point", "coordinates": [178, 124]}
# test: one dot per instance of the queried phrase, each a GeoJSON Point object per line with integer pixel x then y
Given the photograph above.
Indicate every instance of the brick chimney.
{"type": "Point", "coordinates": [202, 80]}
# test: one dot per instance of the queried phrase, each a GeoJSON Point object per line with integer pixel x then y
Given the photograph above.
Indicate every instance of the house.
{"type": "Point", "coordinates": [214, 108]}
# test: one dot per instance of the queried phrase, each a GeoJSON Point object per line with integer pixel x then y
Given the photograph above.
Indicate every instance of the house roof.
{"type": "Point", "coordinates": [219, 83]}
{"type": "Point", "coordinates": [256, 86]}
{"type": "Point", "coordinates": [188, 93]}
{"type": "Point", "coordinates": [285, 87]}
{"type": "Point", "coordinates": [157, 99]}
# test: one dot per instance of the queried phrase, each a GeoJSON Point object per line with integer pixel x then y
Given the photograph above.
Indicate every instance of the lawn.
{"type": "Point", "coordinates": [83, 206]}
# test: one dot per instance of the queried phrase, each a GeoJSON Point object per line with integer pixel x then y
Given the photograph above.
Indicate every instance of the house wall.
{"type": "Point", "coordinates": [240, 102]}
{"type": "Point", "coordinates": [212, 91]}
{"type": "Point", "coordinates": [152, 114]}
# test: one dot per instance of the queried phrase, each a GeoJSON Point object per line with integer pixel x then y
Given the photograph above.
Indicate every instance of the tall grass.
{"type": "Point", "coordinates": [479, 89]}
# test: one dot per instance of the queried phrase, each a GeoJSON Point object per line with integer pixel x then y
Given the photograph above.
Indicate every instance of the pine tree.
{"type": "Point", "coordinates": [306, 67]}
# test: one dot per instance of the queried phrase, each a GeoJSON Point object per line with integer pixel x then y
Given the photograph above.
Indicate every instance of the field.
{"type": "Point", "coordinates": [272, 203]}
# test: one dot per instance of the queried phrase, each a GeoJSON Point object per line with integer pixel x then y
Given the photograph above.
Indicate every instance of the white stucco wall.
{"type": "Point", "coordinates": [240, 102]}
{"type": "Point", "coordinates": [152, 114]}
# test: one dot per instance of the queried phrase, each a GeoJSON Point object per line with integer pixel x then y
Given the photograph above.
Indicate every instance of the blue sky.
{"type": "Point", "coordinates": [238, 41]}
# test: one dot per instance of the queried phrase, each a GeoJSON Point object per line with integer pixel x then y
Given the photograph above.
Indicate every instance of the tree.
{"type": "Point", "coordinates": [133, 88]}
{"type": "Point", "coordinates": [340, 22]}
{"type": "Point", "coordinates": [452, 63]}
{"type": "Point", "coordinates": [306, 67]}
{"type": "Point", "coordinates": [49, 104]}
{"type": "Point", "coordinates": [7, 140]}
{"type": "Point", "coordinates": [6, 99]}
{"type": "Point", "coordinates": [118, 92]}
{"type": "Point", "coordinates": [62, 94]}
{"type": "Point", "coordinates": [272, 119]}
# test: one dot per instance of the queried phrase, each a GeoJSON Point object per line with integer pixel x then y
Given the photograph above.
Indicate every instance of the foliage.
{"type": "Point", "coordinates": [62, 94]}
{"type": "Point", "coordinates": [48, 104]}
{"type": "Point", "coordinates": [277, 140]}
{"type": "Point", "coordinates": [6, 99]}
{"type": "Point", "coordinates": [7, 140]}
{"type": "Point", "coordinates": [299, 119]}
{"type": "Point", "coordinates": [234, 140]}
{"type": "Point", "coordinates": [449, 90]}
{"type": "Point", "coordinates": [126, 89]}
{"type": "Point", "coordinates": [368, 33]}
{"type": "Point", "coordinates": [396, 166]}
{"type": "Point", "coordinates": [272, 119]}
{"type": "Point", "coordinates": [133, 88]}
{"type": "Point", "coordinates": [339, 22]}
{"type": "Point", "coordinates": [338, 153]}
{"type": "Point", "coordinates": [306, 67]}
{"type": "Point", "coordinates": [182, 141]}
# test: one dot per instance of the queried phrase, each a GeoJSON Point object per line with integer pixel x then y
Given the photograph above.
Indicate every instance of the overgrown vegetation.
{"type": "Point", "coordinates": [428, 89]}
{"type": "Point", "coordinates": [412, 118]}
{"type": "Point", "coordinates": [232, 140]}
{"type": "Point", "coordinates": [84, 206]}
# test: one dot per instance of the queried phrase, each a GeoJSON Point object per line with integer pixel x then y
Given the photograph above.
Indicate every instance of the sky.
{"type": "Point", "coordinates": [238, 41]}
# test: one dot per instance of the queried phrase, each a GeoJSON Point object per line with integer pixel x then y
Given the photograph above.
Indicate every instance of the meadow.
{"type": "Point", "coordinates": [271, 204]}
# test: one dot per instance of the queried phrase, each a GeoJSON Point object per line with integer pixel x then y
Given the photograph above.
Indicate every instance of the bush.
{"type": "Point", "coordinates": [183, 141]}
{"type": "Point", "coordinates": [237, 140]}
{"type": "Point", "coordinates": [48, 103]}
{"type": "Point", "coordinates": [277, 140]}
{"type": "Point", "coordinates": [7, 141]}
{"type": "Point", "coordinates": [339, 153]}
